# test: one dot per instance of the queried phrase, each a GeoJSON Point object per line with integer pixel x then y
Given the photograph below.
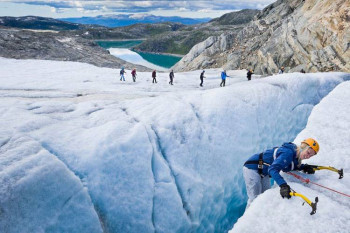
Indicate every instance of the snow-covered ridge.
{"type": "Point", "coordinates": [137, 157]}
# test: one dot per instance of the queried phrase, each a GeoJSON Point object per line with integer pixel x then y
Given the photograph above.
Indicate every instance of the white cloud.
{"type": "Point", "coordinates": [53, 9]}
{"type": "Point", "coordinates": [183, 9]}
{"type": "Point", "coordinates": [101, 7]}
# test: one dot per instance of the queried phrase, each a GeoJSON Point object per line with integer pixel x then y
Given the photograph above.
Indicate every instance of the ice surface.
{"type": "Point", "coordinates": [139, 157]}
{"type": "Point", "coordinates": [329, 122]}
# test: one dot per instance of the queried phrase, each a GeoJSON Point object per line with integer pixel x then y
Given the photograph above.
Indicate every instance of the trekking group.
{"type": "Point", "coordinates": [201, 77]}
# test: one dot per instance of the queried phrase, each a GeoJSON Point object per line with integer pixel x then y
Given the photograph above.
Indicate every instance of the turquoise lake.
{"type": "Point", "coordinates": [160, 60]}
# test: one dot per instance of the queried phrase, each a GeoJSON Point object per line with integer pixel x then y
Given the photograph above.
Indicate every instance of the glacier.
{"type": "Point", "coordinates": [81, 151]}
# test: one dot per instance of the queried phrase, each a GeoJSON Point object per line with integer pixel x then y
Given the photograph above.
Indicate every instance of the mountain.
{"type": "Point", "coordinates": [311, 35]}
{"type": "Point", "coordinates": [129, 19]}
{"type": "Point", "coordinates": [235, 18]}
{"type": "Point", "coordinates": [41, 23]}
{"type": "Point", "coordinates": [56, 45]}
{"type": "Point", "coordinates": [181, 41]}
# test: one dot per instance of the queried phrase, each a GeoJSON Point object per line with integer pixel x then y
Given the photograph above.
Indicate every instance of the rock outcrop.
{"type": "Point", "coordinates": [313, 35]}
{"type": "Point", "coordinates": [182, 40]}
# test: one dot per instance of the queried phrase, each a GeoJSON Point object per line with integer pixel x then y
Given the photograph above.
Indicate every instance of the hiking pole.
{"type": "Point", "coordinates": [312, 204]}
{"type": "Point", "coordinates": [340, 172]}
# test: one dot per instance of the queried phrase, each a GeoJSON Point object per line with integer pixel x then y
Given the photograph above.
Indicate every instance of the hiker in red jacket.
{"type": "Point", "coordinates": [133, 73]}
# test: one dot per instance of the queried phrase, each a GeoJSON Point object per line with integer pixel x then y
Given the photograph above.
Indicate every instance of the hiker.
{"type": "Point", "coordinates": [171, 76]}
{"type": "Point", "coordinates": [122, 72]}
{"type": "Point", "coordinates": [281, 71]}
{"type": "Point", "coordinates": [133, 73]}
{"type": "Point", "coordinates": [259, 167]}
{"type": "Point", "coordinates": [154, 75]}
{"type": "Point", "coordinates": [223, 77]}
{"type": "Point", "coordinates": [249, 74]}
{"type": "Point", "coordinates": [201, 78]}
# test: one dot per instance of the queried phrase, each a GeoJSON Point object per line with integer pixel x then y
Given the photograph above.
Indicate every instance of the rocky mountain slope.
{"type": "Point", "coordinates": [181, 41]}
{"type": "Point", "coordinates": [54, 45]}
{"type": "Point", "coordinates": [313, 35]}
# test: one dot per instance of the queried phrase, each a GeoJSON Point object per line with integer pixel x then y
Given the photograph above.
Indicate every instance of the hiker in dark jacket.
{"type": "Point", "coordinates": [154, 75]}
{"type": "Point", "coordinates": [133, 73]}
{"type": "Point", "coordinates": [288, 157]}
{"type": "Point", "coordinates": [201, 78]}
{"type": "Point", "coordinates": [171, 76]}
{"type": "Point", "coordinates": [122, 72]}
{"type": "Point", "coordinates": [249, 74]}
{"type": "Point", "coordinates": [281, 71]}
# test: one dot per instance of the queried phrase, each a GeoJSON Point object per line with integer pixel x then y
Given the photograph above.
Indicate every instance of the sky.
{"type": "Point", "coordinates": [88, 8]}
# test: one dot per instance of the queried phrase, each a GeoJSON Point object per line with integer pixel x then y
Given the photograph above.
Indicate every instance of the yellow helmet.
{"type": "Point", "coordinates": [312, 143]}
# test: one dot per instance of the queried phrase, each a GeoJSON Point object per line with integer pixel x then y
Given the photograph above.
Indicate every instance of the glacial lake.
{"type": "Point", "coordinates": [123, 50]}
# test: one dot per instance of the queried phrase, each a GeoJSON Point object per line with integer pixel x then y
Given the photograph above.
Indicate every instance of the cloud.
{"type": "Point", "coordinates": [146, 6]}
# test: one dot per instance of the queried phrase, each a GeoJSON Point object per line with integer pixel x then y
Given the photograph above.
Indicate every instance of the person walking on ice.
{"type": "Point", "coordinates": [223, 78]}
{"type": "Point", "coordinates": [201, 78]}
{"type": "Point", "coordinates": [133, 73]}
{"type": "Point", "coordinates": [171, 76]}
{"type": "Point", "coordinates": [249, 74]}
{"type": "Point", "coordinates": [122, 72]}
{"type": "Point", "coordinates": [288, 157]}
{"type": "Point", "coordinates": [154, 75]}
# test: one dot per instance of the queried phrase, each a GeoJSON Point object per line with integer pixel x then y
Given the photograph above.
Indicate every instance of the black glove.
{"type": "Point", "coordinates": [309, 169]}
{"type": "Point", "coordinates": [285, 190]}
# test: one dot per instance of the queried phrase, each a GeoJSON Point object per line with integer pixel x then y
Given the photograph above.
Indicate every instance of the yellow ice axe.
{"type": "Point", "coordinates": [340, 172]}
{"type": "Point", "coordinates": [312, 204]}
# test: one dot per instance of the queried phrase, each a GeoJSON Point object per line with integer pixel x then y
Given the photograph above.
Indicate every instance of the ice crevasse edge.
{"type": "Point", "coordinates": [140, 166]}
{"type": "Point", "coordinates": [329, 123]}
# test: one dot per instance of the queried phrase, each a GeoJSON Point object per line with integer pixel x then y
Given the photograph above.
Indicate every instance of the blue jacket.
{"type": "Point", "coordinates": [224, 75]}
{"type": "Point", "coordinates": [286, 160]}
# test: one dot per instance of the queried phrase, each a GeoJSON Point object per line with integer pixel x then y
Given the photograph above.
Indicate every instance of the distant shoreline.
{"type": "Point", "coordinates": [111, 40]}
{"type": "Point", "coordinates": [169, 54]}
{"type": "Point", "coordinates": [143, 39]}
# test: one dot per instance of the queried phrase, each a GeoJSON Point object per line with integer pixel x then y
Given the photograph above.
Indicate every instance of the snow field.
{"type": "Point", "coordinates": [151, 157]}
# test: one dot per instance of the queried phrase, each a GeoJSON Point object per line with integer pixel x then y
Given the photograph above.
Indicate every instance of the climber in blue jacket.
{"type": "Point", "coordinates": [288, 157]}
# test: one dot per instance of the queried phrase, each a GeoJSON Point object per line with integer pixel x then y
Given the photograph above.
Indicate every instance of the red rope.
{"type": "Point", "coordinates": [308, 181]}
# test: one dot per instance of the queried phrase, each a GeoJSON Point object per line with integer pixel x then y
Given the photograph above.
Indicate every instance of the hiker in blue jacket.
{"type": "Point", "coordinates": [288, 157]}
{"type": "Point", "coordinates": [223, 78]}
{"type": "Point", "coordinates": [122, 72]}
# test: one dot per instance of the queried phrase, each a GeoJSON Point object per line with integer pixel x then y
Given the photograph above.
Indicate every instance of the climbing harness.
{"type": "Point", "coordinates": [308, 181]}
{"type": "Point", "coordinates": [261, 162]}
{"type": "Point", "coordinates": [312, 204]}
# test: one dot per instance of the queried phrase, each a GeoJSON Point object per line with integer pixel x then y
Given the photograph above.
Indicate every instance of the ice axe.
{"type": "Point", "coordinates": [312, 204]}
{"type": "Point", "coordinates": [340, 172]}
